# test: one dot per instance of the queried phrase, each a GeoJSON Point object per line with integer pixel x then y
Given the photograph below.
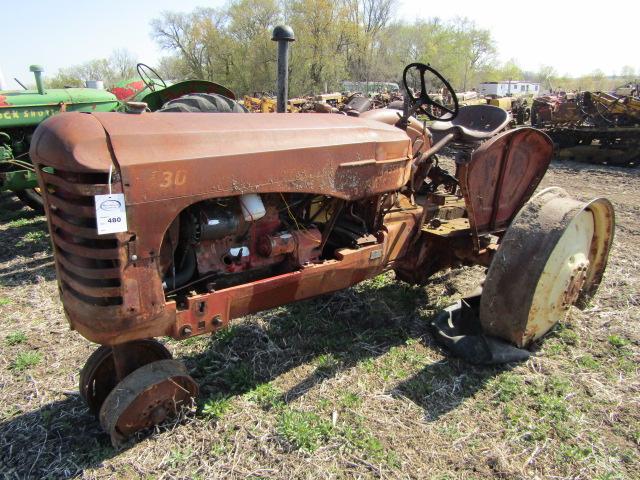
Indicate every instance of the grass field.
{"type": "Point", "coordinates": [350, 385]}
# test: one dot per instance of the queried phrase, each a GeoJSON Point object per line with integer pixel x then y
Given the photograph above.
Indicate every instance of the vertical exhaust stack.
{"type": "Point", "coordinates": [283, 34]}
{"type": "Point", "coordinates": [37, 72]}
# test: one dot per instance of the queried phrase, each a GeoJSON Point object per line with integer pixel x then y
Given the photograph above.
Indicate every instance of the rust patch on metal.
{"type": "Point", "coordinates": [502, 175]}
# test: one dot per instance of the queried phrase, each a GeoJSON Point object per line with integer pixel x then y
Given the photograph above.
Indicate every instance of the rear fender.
{"type": "Point", "coordinates": [156, 99]}
{"type": "Point", "coordinates": [501, 176]}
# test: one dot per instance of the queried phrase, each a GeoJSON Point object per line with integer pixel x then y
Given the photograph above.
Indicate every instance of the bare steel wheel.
{"type": "Point", "coordinates": [552, 256]}
{"type": "Point", "coordinates": [98, 376]}
{"type": "Point", "coordinates": [146, 397]}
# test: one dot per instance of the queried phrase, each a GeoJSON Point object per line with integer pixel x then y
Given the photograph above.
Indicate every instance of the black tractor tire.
{"type": "Point", "coordinates": [31, 198]}
{"type": "Point", "coordinates": [359, 104]}
{"type": "Point", "coordinates": [396, 105]}
{"type": "Point", "coordinates": [203, 103]}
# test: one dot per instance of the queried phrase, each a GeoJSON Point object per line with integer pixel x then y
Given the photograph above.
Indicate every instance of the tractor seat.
{"type": "Point", "coordinates": [473, 123]}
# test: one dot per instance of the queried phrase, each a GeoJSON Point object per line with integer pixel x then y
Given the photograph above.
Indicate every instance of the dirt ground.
{"type": "Point", "coordinates": [350, 385]}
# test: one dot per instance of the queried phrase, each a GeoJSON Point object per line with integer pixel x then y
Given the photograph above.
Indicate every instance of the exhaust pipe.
{"type": "Point", "coordinates": [283, 34]}
{"type": "Point", "coordinates": [37, 72]}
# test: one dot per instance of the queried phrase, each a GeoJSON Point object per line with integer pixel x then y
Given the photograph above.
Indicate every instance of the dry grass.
{"type": "Point", "coordinates": [344, 386]}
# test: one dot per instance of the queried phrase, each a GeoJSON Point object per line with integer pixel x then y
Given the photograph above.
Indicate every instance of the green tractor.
{"type": "Point", "coordinates": [21, 111]}
{"type": "Point", "coordinates": [153, 90]}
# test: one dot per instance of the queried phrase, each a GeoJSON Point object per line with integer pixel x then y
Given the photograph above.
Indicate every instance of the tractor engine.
{"type": "Point", "coordinates": [229, 240]}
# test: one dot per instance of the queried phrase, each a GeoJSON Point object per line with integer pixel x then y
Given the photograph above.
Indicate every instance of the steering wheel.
{"type": "Point", "coordinates": [144, 72]}
{"type": "Point", "coordinates": [423, 99]}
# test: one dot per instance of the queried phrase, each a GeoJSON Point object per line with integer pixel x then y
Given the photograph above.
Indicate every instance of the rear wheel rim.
{"type": "Point", "coordinates": [552, 256]}
{"type": "Point", "coordinates": [563, 277]}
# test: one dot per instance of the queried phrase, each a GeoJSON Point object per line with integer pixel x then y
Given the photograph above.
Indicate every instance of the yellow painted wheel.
{"type": "Point", "coordinates": [552, 256]}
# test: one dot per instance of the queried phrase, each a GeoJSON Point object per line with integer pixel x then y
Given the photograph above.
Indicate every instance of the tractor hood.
{"type": "Point", "coordinates": [163, 156]}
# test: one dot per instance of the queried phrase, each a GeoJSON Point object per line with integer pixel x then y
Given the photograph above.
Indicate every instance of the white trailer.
{"type": "Point", "coordinates": [512, 88]}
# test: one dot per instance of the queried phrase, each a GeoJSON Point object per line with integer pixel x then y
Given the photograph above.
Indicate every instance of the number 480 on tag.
{"type": "Point", "coordinates": [111, 214]}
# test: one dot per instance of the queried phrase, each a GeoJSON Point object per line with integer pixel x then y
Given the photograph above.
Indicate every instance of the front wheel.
{"type": "Point", "coordinates": [98, 376]}
{"type": "Point", "coordinates": [31, 197]}
{"type": "Point", "coordinates": [552, 256]}
{"type": "Point", "coordinates": [147, 397]}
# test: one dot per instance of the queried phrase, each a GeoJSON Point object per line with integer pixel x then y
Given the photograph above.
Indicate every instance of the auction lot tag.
{"type": "Point", "coordinates": [111, 216]}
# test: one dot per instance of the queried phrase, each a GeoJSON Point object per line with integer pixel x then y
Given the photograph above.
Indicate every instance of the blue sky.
{"type": "Point", "coordinates": [572, 36]}
{"type": "Point", "coordinates": [60, 33]}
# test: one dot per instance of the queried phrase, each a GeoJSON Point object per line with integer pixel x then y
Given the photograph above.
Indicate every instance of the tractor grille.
{"type": "Point", "coordinates": [89, 265]}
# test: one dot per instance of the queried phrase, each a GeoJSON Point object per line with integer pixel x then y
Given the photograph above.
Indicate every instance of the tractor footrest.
{"type": "Point", "coordinates": [454, 227]}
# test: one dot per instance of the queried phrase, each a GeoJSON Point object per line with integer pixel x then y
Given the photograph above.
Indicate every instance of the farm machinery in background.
{"type": "Point", "coordinates": [594, 127]}
{"type": "Point", "coordinates": [267, 103]}
{"type": "Point", "coordinates": [355, 103]}
{"type": "Point", "coordinates": [262, 103]}
{"type": "Point", "coordinates": [21, 111]}
{"type": "Point", "coordinates": [334, 102]}
{"type": "Point", "coordinates": [519, 107]}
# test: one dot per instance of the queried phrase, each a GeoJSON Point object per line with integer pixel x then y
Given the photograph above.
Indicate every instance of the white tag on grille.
{"type": "Point", "coordinates": [111, 215]}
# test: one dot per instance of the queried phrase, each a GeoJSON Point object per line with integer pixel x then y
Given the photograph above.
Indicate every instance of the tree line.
{"type": "Point", "coordinates": [336, 40]}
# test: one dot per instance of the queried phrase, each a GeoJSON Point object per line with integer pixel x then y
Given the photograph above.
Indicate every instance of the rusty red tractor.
{"type": "Point", "coordinates": [215, 216]}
